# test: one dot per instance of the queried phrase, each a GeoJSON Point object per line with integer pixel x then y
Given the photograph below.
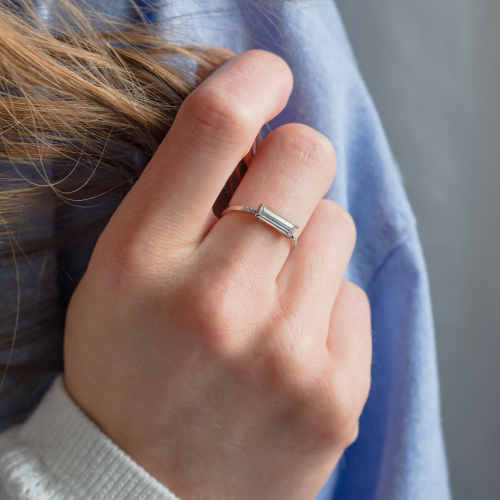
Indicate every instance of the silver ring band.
{"type": "Point", "coordinates": [286, 228]}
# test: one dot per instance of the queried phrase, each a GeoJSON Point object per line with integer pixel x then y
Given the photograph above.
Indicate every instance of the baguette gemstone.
{"type": "Point", "coordinates": [274, 220]}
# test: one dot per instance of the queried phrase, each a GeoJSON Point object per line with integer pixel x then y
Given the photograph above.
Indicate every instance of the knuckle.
{"type": "Point", "coordinates": [216, 309]}
{"type": "Point", "coordinates": [351, 437]}
{"type": "Point", "coordinates": [326, 419]}
{"type": "Point", "coordinates": [342, 221]}
{"type": "Point", "coordinates": [121, 261]}
{"type": "Point", "coordinates": [316, 151]}
{"type": "Point", "coordinates": [218, 116]}
{"type": "Point", "coordinates": [330, 404]}
{"type": "Point", "coordinates": [345, 410]}
{"type": "Point", "coordinates": [357, 294]}
{"type": "Point", "coordinates": [309, 150]}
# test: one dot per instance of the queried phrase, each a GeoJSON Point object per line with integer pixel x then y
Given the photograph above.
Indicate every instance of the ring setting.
{"type": "Point", "coordinates": [264, 214]}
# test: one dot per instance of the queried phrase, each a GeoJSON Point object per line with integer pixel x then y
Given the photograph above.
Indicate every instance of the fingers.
{"type": "Point", "coordinates": [350, 344]}
{"type": "Point", "coordinates": [214, 129]}
{"type": "Point", "coordinates": [291, 171]}
{"type": "Point", "coordinates": [213, 61]}
{"type": "Point", "coordinates": [312, 275]}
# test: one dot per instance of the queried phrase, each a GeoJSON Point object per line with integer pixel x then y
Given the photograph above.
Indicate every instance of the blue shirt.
{"type": "Point", "coordinates": [399, 454]}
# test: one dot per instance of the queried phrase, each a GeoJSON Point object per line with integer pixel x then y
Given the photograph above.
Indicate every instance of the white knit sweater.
{"type": "Point", "coordinates": [59, 454]}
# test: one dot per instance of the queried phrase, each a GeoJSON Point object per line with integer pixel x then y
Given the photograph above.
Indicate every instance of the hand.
{"type": "Point", "coordinates": [224, 364]}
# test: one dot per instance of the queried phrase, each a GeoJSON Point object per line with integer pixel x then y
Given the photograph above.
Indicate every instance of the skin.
{"type": "Point", "coordinates": [224, 364]}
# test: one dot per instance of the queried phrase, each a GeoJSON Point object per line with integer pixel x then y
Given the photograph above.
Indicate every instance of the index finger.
{"type": "Point", "coordinates": [213, 130]}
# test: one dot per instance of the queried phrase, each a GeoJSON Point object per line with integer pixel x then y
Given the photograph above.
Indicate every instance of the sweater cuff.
{"type": "Point", "coordinates": [59, 453]}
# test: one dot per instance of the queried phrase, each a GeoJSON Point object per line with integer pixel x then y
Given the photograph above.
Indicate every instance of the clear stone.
{"type": "Point", "coordinates": [276, 221]}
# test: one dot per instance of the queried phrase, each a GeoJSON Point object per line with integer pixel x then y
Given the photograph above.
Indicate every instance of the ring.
{"type": "Point", "coordinates": [267, 216]}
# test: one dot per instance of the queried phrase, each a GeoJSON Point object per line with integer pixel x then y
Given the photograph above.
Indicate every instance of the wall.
{"type": "Point", "coordinates": [433, 69]}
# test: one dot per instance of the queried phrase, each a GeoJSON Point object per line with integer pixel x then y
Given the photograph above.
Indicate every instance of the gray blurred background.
{"type": "Point", "coordinates": [433, 69]}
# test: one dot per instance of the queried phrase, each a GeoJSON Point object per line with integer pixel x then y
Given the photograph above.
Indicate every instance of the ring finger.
{"type": "Point", "coordinates": [290, 173]}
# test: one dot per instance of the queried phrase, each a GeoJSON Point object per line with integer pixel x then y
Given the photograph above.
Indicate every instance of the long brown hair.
{"type": "Point", "coordinates": [85, 101]}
